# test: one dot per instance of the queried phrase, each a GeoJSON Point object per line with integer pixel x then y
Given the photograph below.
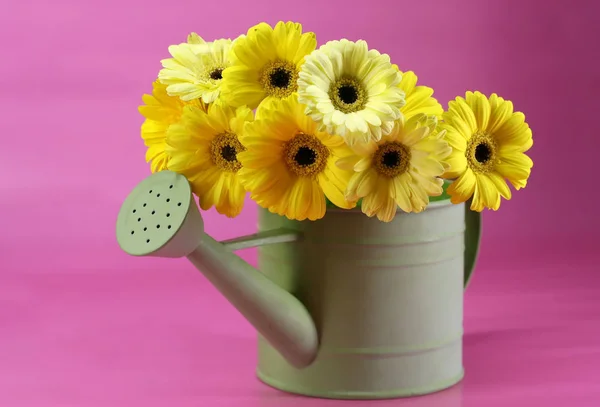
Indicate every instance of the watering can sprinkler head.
{"type": "Point", "coordinates": [160, 218]}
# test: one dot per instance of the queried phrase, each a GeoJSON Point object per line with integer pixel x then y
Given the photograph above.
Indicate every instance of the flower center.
{"type": "Point", "coordinates": [214, 73]}
{"type": "Point", "coordinates": [391, 159]}
{"type": "Point", "coordinates": [224, 149]}
{"type": "Point", "coordinates": [279, 78]}
{"type": "Point", "coordinates": [217, 74]}
{"type": "Point", "coordinates": [305, 155]}
{"type": "Point", "coordinates": [481, 152]}
{"type": "Point", "coordinates": [348, 95]}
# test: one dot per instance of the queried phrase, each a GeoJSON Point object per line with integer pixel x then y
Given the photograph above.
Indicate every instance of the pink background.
{"type": "Point", "coordinates": [82, 324]}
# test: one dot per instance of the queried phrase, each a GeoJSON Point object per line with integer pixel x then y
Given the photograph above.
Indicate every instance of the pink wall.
{"type": "Point", "coordinates": [73, 72]}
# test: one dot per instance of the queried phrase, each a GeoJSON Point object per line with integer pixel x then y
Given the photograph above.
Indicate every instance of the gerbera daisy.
{"type": "Point", "coordinates": [289, 165]}
{"type": "Point", "coordinates": [419, 99]}
{"type": "Point", "coordinates": [402, 169]}
{"type": "Point", "coordinates": [160, 111]}
{"type": "Point", "coordinates": [265, 63]}
{"type": "Point", "coordinates": [195, 69]}
{"type": "Point", "coordinates": [351, 91]}
{"type": "Point", "coordinates": [204, 147]}
{"type": "Point", "coordinates": [489, 141]}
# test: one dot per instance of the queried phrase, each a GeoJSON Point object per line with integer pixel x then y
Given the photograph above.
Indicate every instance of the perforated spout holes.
{"type": "Point", "coordinates": [153, 212]}
{"type": "Point", "coordinates": [148, 208]}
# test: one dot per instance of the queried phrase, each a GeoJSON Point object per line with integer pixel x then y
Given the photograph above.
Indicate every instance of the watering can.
{"type": "Point", "coordinates": [346, 306]}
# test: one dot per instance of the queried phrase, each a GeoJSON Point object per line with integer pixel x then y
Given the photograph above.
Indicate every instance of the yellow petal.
{"type": "Point", "coordinates": [362, 184]}
{"type": "Point", "coordinates": [463, 188]}
{"type": "Point", "coordinates": [316, 202]}
{"type": "Point", "coordinates": [211, 196]}
{"type": "Point", "coordinates": [500, 185]}
{"type": "Point", "coordinates": [457, 163]}
{"type": "Point", "coordinates": [515, 167]}
{"type": "Point", "coordinates": [368, 206]}
{"type": "Point", "coordinates": [258, 159]}
{"type": "Point", "coordinates": [334, 182]}
{"type": "Point", "coordinates": [387, 210]}
{"type": "Point", "coordinates": [481, 109]}
{"type": "Point", "coordinates": [299, 199]}
{"type": "Point", "coordinates": [455, 139]}
{"type": "Point", "coordinates": [500, 111]}
{"type": "Point", "coordinates": [476, 202]}
{"type": "Point", "coordinates": [425, 186]}
{"type": "Point", "coordinates": [427, 164]}
{"type": "Point", "coordinates": [347, 163]}
{"type": "Point", "coordinates": [487, 193]}
{"type": "Point", "coordinates": [461, 127]}
{"type": "Point", "coordinates": [233, 197]}
{"type": "Point", "coordinates": [459, 109]}
{"type": "Point", "coordinates": [408, 82]}
{"type": "Point", "coordinates": [418, 196]}
{"type": "Point", "coordinates": [363, 164]}
{"type": "Point", "coordinates": [402, 192]}
{"type": "Point", "coordinates": [415, 136]}
{"type": "Point", "coordinates": [514, 132]}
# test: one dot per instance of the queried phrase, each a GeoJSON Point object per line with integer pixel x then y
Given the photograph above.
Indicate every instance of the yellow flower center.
{"type": "Point", "coordinates": [224, 150]}
{"type": "Point", "coordinates": [481, 152]}
{"type": "Point", "coordinates": [348, 95]}
{"type": "Point", "coordinates": [214, 73]}
{"type": "Point", "coordinates": [305, 155]}
{"type": "Point", "coordinates": [391, 159]}
{"type": "Point", "coordinates": [279, 78]}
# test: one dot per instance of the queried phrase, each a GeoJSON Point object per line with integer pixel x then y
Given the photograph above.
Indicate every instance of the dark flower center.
{"type": "Point", "coordinates": [348, 94]}
{"type": "Point", "coordinates": [483, 153]}
{"type": "Point", "coordinates": [224, 149]}
{"type": "Point", "coordinates": [229, 153]}
{"type": "Point", "coordinates": [280, 78]}
{"type": "Point", "coordinates": [305, 156]}
{"type": "Point", "coordinates": [391, 159]}
{"type": "Point", "coordinates": [217, 74]}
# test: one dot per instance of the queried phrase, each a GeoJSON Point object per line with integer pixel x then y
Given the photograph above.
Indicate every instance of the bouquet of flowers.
{"type": "Point", "coordinates": [303, 128]}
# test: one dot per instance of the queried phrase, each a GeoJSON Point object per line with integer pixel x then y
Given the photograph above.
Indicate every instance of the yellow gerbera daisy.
{"type": "Point", "coordinates": [402, 169]}
{"type": "Point", "coordinates": [195, 69]}
{"type": "Point", "coordinates": [489, 141]}
{"type": "Point", "coordinates": [160, 111]}
{"type": "Point", "coordinates": [204, 147]}
{"type": "Point", "coordinates": [289, 166]}
{"type": "Point", "coordinates": [265, 63]}
{"type": "Point", "coordinates": [419, 99]}
{"type": "Point", "coordinates": [351, 91]}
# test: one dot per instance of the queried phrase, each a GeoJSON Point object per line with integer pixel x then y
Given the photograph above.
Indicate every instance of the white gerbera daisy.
{"type": "Point", "coordinates": [195, 69]}
{"type": "Point", "coordinates": [351, 91]}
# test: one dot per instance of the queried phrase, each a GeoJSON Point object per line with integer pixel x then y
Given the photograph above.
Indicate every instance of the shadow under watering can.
{"type": "Point", "coordinates": [346, 306]}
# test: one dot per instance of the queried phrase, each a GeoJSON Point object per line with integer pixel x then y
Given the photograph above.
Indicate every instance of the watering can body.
{"type": "Point", "coordinates": [386, 298]}
{"type": "Point", "coordinates": [346, 306]}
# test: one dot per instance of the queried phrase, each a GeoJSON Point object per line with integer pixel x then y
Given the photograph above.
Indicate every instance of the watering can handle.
{"type": "Point", "coordinates": [472, 241]}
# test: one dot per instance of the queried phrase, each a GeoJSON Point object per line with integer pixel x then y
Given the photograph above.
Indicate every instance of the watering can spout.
{"type": "Point", "coordinates": [160, 218]}
{"type": "Point", "coordinates": [275, 313]}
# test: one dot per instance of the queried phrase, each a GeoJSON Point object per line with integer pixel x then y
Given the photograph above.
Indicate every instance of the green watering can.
{"type": "Point", "coordinates": [345, 307]}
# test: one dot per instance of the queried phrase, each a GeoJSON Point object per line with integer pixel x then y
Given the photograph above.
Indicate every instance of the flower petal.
{"type": "Point", "coordinates": [488, 195]}
{"type": "Point", "coordinates": [402, 192]}
{"type": "Point", "coordinates": [463, 188]}
{"type": "Point", "coordinates": [481, 109]}
{"type": "Point", "coordinates": [514, 132]}
{"type": "Point", "coordinates": [500, 185]}
{"type": "Point", "coordinates": [459, 110]}
{"type": "Point", "coordinates": [500, 111]}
